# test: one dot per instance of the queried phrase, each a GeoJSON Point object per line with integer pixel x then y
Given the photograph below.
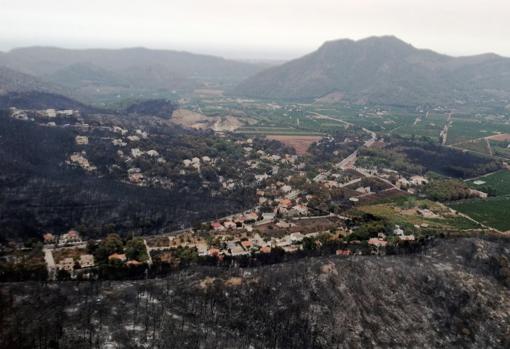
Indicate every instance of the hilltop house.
{"type": "Point", "coordinates": [397, 231]}
{"type": "Point", "coordinates": [418, 180]}
{"type": "Point", "coordinates": [86, 261]}
{"type": "Point", "coordinates": [285, 203]}
{"type": "Point", "coordinates": [298, 210]}
{"type": "Point", "coordinates": [66, 264]}
{"type": "Point", "coordinates": [48, 238]}
{"type": "Point", "coordinates": [343, 252]}
{"type": "Point", "coordinates": [51, 113]}
{"type": "Point", "coordinates": [117, 257]}
{"type": "Point", "coordinates": [217, 226]}
{"type": "Point", "coordinates": [402, 183]}
{"type": "Point", "coordinates": [252, 216]}
{"type": "Point", "coordinates": [71, 237]}
{"type": "Point", "coordinates": [377, 242]}
{"type": "Point", "coordinates": [229, 225]}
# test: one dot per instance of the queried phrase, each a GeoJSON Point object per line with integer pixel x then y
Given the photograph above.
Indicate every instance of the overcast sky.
{"type": "Point", "coordinates": [271, 29]}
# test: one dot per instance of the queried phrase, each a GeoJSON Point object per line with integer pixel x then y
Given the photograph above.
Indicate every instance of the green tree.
{"type": "Point", "coordinates": [109, 245]}
{"type": "Point", "coordinates": [135, 249]}
{"type": "Point", "coordinates": [309, 244]}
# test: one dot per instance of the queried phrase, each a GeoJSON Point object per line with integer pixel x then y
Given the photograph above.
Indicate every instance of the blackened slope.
{"type": "Point", "coordinates": [39, 192]}
{"type": "Point", "coordinates": [41, 100]}
{"type": "Point", "coordinates": [454, 295]}
{"type": "Point", "coordinates": [156, 107]}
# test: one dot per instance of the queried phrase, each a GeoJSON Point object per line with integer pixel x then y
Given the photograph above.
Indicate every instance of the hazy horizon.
{"type": "Point", "coordinates": [263, 30]}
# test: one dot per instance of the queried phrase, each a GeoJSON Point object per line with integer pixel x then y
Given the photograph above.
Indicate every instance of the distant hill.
{"type": "Point", "coordinates": [14, 81]}
{"type": "Point", "coordinates": [135, 72]}
{"type": "Point", "coordinates": [383, 70]}
{"type": "Point", "coordinates": [40, 100]}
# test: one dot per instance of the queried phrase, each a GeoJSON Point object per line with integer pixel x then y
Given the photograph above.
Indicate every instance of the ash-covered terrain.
{"type": "Point", "coordinates": [453, 294]}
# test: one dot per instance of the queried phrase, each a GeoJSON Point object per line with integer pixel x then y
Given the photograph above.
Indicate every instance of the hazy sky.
{"type": "Point", "coordinates": [272, 29]}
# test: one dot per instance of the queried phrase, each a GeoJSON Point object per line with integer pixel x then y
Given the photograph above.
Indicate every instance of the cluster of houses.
{"type": "Point", "coordinates": [242, 221]}
{"type": "Point", "coordinates": [72, 237]}
{"type": "Point", "coordinates": [381, 240]}
{"type": "Point", "coordinates": [85, 261]}
{"type": "Point", "coordinates": [255, 158]}
{"type": "Point", "coordinates": [254, 243]}
{"type": "Point", "coordinates": [284, 200]}
{"type": "Point", "coordinates": [196, 162]}
{"type": "Point", "coordinates": [42, 115]}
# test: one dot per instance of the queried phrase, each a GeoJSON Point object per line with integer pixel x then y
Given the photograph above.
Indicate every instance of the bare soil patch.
{"type": "Point", "coordinates": [504, 137]}
{"type": "Point", "coordinates": [299, 143]}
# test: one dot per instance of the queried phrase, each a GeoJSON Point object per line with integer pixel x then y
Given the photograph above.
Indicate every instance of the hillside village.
{"type": "Point", "coordinates": [302, 203]}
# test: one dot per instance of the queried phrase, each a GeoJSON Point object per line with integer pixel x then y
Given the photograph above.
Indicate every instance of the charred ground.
{"type": "Point", "coordinates": [453, 294]}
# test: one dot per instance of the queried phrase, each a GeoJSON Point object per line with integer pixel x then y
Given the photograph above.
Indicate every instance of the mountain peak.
{"type": "Point", "coordinates": [380, 69]}
{"type": "Point", "coordinates": [375, 42]}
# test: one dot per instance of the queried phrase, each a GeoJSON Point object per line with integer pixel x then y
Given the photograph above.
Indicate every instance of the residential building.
{"type": "Point", "coordinates": [71, 237]}
{"type": "Point", "coordinates": [117, 257]}
{"type": "Point", "coordinates": [86, 261]}
{"type": "Point", "coordinates": [377, 242]}
{"type": "Point", "coordinates": [66, 264]}
{"type": "Point", "coordinates": [48, 238]}
{"type": "Point", "coordinates": [397, 231]}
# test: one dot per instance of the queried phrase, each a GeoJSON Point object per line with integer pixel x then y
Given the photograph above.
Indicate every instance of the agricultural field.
{"type": "Point", "coordinates": [478, 146]}
{"type": "Point", "coordinates": [276, 131]}
{"type": "Point", "coordinates": [492, 212]}
{"type": "Point", "coordinates": [424, 126]}
{"type": "Point", "coordinates": [298, 119]}
{"type": "Point", "coordinates": [498, 184]}
{"type": "Point", "coordinates": [465, 129]}
{"type": "Point", "coordinates": [500, 148]}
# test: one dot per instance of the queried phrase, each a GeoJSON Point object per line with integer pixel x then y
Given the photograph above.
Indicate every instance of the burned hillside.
{"type": "Point", "coordinates": [454, 294]}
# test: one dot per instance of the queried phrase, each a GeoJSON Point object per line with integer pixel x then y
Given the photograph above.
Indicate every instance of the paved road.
{"type": "Point", "coordinates": [349, 161]}
{"type": "Point", "coordinates": [147, 248]}
{"type": "Point", "coordinates": [50, 263]}
{"type": "Point", "coordinates": [327, 117]}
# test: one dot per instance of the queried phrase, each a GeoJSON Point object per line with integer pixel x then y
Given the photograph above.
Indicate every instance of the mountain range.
{"type": "Point", "coordinates": [93, 74]}
{"type": "Point", "coordinates": [383, 70]}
